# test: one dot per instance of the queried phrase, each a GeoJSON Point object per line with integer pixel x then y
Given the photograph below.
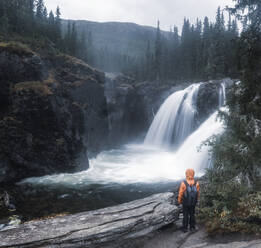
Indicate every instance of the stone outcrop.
{"type": "Point", "coordinates": [52, 111]}
{"type": "Point", "coordinates": [126, 109]}
{"type": "Point", "coordinates": [85, 87]}
{"type": "Point", "coordinates": [208, 98]}
{"type": "Point", "coordinates": [95, 228]}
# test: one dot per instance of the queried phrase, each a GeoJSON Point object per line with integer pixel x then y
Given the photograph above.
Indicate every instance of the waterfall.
{"type": "Point", "coordinates": [222, 95]}
{"type": "Point", "coordinates": [192, 152]}
{"type": "Point", "coordinates": [175, 119]}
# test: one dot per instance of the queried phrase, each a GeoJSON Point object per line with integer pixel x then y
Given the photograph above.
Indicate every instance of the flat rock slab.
{"type": "Point", "coordinates": [93, 228]}
{"type": "Point", "coordinates": [173, 237]}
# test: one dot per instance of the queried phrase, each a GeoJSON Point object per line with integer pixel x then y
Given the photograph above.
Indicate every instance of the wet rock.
{"type": "Point", "coordinates": [208, 98]}
{"type": "Point", "coordinates": [18, 63]}
{"type": "Point", "coordinates": [126, 109]}
{"type": "Point", "coordinates": [92, 229]}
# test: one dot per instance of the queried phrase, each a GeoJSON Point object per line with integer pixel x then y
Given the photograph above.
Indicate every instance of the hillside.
{"type": "Point", "coordinates": [118, 37]}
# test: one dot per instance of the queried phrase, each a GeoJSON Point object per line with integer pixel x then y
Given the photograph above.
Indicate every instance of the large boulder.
{"type": "Point", "coordinates": [209, 98]}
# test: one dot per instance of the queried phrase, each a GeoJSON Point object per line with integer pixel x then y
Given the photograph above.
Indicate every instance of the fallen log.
{"type": "Point", "coordinates": [93, 228]}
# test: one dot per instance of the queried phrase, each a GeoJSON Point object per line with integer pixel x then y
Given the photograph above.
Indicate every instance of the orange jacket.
{"type": "Point", "coordinates": [190, 180]}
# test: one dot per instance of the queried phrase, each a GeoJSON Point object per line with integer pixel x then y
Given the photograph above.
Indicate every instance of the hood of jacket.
{"type": "Point", "coordinates": [190, 176]}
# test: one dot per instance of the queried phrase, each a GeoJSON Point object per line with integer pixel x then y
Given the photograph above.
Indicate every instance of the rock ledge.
{"type": "Point", "coordinates": [89, 229]}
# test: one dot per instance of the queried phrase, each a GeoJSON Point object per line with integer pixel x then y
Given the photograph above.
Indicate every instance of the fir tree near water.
{"type": "Point", "coordinates": [232, 197]}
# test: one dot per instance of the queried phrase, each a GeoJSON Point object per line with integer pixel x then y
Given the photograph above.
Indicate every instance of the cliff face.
{"type": "Point", "coordinates": [208, 98]}
{"type": "Point", "coordinates": [51, 108]}
{"type": "Point", "coordinates": [126, 109]}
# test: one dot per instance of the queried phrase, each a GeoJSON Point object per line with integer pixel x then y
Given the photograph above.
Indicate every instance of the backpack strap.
{"type": "Point", "coordinates": [186, 183]}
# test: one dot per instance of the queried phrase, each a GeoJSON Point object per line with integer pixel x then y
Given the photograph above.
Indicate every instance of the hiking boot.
{"type": "Point", "coordinates": [192, 229]}
{"type": "Point", "coordinates": [184, 230]}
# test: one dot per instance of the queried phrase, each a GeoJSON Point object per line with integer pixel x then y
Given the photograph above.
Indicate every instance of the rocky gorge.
{"type": "Point", "coordinates": [56, 111]}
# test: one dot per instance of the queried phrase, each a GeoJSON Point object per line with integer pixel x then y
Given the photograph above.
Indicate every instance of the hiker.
{"type": "Point", "coordinates": [188, 197]}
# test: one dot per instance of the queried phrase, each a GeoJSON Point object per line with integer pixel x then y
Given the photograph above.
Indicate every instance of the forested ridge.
{"type": "Point", "coordinates": [200, 51]}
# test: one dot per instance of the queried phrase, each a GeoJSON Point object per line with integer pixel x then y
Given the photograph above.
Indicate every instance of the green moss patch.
{"type": "Point", "coordinates": [37, 87]}
{"type": "Point", "coordinates": [16, 47]}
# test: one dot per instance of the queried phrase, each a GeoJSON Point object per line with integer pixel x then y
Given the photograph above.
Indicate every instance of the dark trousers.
{"type": "Point", "coordinates": [188, 216]}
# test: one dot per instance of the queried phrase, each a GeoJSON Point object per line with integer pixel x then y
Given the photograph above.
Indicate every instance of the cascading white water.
{"type": "Point", "coordinates": [175, 119]}
{"type": "Point", "coordinates": [145, 164]}
{"type": "Point", "coordinates": [222, 94]}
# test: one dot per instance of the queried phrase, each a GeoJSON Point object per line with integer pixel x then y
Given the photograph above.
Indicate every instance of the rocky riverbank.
{"type": "Point", "coordinates": [146, 223]}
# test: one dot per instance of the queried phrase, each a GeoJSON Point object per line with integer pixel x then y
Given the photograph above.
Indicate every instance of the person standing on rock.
{"type": "Point", "coordinates": [188, 197]}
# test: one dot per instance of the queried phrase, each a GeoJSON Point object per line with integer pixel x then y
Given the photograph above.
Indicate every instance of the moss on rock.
{"type": "Point", "coordinates": [16, 48]}
{"type": "Point", "coordinates": [37, 87]}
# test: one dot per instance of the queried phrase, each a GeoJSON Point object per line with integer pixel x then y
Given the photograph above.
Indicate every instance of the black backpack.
{"type": "Point", "coordinates": [190, 196]}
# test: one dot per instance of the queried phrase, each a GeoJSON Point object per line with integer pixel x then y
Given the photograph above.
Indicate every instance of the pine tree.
{"type": "Point", "coordinates": [148, 57]}
{"type": "Point", "coordinates": [158, 53]}
{"type": "Point", "coordinates": [51, 25]}
{"type": "Point", "coordinates": [218, 41]}
{"type": "Point", "coordinates": [58, 24]}
{"type": "Point", "coordinates": [40, 9]}
{"type": "Point", "coordinates": [185, 49]}
{"type": "Point", "coordinates": [4, 23]}
{"type": "Point", "coordinates": [206, 46]}
{"type": "Point", "coordinates": [45, 14]}
{"type": "Point", "coordinates": [82, 47]}
{"type": "Point", "coordinates": [73, 40]}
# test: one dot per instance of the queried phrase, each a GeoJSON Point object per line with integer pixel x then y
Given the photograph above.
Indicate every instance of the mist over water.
{"type": "Point", "coordinates": [155, 161]}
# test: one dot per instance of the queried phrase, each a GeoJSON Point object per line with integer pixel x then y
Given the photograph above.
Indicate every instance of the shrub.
{"type": "Point", "coordinates": [230, 206]}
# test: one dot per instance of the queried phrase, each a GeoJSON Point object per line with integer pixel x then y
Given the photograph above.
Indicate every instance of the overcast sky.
{"type": "Point", "coordinates": [143, 12]}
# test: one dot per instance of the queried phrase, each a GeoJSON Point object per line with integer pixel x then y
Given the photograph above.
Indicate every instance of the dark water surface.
{"type": "Point", "coordinates": [38, 201]}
